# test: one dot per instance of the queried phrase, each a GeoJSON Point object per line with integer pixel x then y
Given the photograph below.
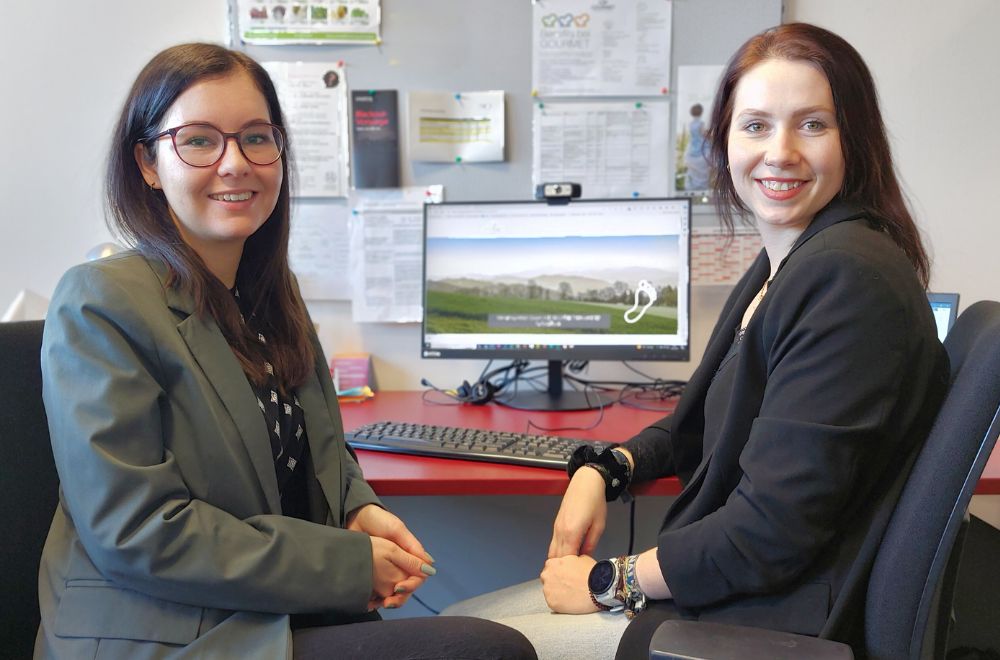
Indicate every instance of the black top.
{"type": "Point", "coordinates": [790, 450]}
{"type": "Point", "coordinates": [286, 427]}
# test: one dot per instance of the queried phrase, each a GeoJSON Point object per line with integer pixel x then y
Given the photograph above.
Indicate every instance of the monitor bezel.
{"type": "Point", "coordinates": [613, 353]}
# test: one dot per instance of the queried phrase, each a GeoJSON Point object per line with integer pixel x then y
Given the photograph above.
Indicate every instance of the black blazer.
{"type": "Point", "coordinates": [787, 489]}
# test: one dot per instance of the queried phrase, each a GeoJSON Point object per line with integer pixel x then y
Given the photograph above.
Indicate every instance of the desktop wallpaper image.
{"type": "Point", "coordinates": [565, 285]}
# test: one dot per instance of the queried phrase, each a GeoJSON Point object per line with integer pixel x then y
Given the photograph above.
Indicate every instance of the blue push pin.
{"type": "Point", "coordinates": [635, 194]}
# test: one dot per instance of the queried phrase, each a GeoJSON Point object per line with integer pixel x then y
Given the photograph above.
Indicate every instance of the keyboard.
{"type": "Point", "coordinates": [470, 444]}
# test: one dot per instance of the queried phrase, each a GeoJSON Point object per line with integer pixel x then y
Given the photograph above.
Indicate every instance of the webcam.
{"type": "Point", "coordinates": [557, 193]}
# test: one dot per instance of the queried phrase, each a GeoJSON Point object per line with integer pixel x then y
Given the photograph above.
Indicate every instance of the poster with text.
{"type": "Point", "coordinates": [601, 47]}
{"type": "Point", "coordinates": [452, 127]}
{"type": "Point", "coordinates": [387, 253]}
{"type": "Point", "coordinates": [280, 23]}
{"type": "Point", "coordinates": [314, 100]}
{"type": "Point", "coordinates": [375, 138]}
{"type": "Point", "coordinates": [318, 250]}
{"type": "Point", "coordinates": [613, 149]}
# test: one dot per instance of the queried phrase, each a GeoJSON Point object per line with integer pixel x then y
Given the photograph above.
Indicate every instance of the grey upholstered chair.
{"type": "Point", "coordinates": [909, 593]}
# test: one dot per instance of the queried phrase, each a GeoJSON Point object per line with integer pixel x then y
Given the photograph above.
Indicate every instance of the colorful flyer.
{"type": "Point", "coordinates": [375, 137]}
{"type": "Point", "coordinates": [277, 22]}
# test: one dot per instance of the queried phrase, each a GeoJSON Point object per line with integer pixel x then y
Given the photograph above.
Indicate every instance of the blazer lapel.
{"type": "Point", "coordinates": [322, 428]}
{"type": "Point", "coordinates": [223, 371]}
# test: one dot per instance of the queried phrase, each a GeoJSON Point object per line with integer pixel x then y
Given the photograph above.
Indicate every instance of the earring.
{"type": "Point", "coordinates": [152, 185]}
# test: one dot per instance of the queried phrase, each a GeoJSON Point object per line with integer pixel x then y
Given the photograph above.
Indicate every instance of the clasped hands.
{"type": "Point", "coordinates": [399, 562]}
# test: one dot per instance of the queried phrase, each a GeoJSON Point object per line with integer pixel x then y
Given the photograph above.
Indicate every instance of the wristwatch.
{"type": "Point", "coordinates": [612, 464]}
{"type": "Point", "coordinates": [606, 583]}
{"type": "Point", "coordinates": [614, 586]}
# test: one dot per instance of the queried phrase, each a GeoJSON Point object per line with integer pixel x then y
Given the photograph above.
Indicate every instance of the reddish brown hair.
{"type": "Point", "coordinates": [870, 178]}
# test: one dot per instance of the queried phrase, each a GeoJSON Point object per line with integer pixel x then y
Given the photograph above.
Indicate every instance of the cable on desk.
{"type": "Point", "coordinates": [430, 402]}
{"type": "Point", "coordinates": [600, 418]}
{"type": "Point", "coordinates": [504, 382]}
{"type": "Point", "coordinates": [426, 606]}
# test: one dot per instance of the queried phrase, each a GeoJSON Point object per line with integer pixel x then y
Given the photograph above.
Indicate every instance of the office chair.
{"type": "Point", "coordinates": [908, 605]}
{"type": "Point", "coordinates": [30, 485]}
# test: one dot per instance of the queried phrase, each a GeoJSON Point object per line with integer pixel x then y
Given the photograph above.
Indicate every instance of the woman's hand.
{"type": "Point", "coordinates": [395, 574]}
{"type": "Point", "coordinates": [384, 526]}
{"type": "Point", "coordinates": [376, 521]}
{"type": "Point", "coordinates": [564, 584]}
{"type": "Point", "coordinates": [582, 516]}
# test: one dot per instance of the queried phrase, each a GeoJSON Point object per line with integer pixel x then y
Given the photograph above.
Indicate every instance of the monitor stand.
{"type": "Point", "coordinates": [556, 398]}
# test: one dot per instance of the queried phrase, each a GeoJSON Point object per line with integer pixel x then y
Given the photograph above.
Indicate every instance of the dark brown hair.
{"type": "Point", "coordinates": [870, 178]}
{"type": "Point", "coordinates": [140, 216]}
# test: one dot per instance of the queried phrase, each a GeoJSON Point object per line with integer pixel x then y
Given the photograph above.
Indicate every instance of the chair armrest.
{"type": "Point", "coordinates": [697, 640]}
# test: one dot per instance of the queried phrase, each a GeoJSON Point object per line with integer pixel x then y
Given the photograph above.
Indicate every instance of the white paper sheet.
{"type": "Point", "coordinates": [313, 98]}
{"type": "Point", "coordinates": [319, 249]}
{"type": "Point", "coordinates": [612, 148]}
{"type": "Point", "coordinates": [603, 48]}
{"type": "Point", "coordinates": [450, 126]}
{"type": "Point", "coordinates": [278, 23]}
{"type": "Point", "coordinates": [386, 260]}
{"type": "Point", "coordinates": [695, 90]}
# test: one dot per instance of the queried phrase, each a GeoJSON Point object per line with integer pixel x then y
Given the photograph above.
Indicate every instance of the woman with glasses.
{"type": "Point", "coordinates": [209, 506]}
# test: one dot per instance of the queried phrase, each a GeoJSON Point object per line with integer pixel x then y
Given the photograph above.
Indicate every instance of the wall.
{"type": "Point", "coordinates": [66, 69]}
{"type": "Point", "coordinates": [65, 77]}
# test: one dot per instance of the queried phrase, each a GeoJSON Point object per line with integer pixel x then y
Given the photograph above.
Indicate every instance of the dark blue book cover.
{"type": "Point", "coordinates": [375, 138]}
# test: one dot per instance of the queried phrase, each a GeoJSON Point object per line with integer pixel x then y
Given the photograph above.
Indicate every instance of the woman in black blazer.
{"type": "Point", "coordinates": [820, 379]}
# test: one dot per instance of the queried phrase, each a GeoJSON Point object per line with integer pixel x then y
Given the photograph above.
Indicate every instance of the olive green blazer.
{"type": "Point", "coordinates": [168, 540]}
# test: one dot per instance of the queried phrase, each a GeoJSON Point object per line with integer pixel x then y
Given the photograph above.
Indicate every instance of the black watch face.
{"type": "Point", "coordinates": [601, 577]}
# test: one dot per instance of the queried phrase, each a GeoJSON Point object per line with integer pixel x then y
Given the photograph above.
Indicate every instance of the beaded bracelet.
{"type": "Point", "coordinates": [634, 598]}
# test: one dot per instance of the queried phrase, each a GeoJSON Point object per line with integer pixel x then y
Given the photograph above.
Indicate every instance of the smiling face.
{"type": "Point", "coordinates": [215, 208]}
{"type": "Point", "coordinates": [784, 144]}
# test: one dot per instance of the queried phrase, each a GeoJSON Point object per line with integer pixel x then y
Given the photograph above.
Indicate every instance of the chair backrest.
{"type": "Point", "coordinates": [30, 485]}
{"type": "Point", "coordinates": [910, 568]}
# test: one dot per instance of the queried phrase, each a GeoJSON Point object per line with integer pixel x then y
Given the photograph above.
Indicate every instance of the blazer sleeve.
{"type": "Point", "coordinates": [126, 495]}
{"type": "Point", "coordinates": [838, 340]}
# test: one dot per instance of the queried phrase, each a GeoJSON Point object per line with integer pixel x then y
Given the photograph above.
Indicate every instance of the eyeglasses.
{"type": "Point", "coordinates": [203, 145]}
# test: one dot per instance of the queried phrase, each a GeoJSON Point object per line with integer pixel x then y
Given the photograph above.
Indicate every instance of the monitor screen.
{"type": "Point", "coordinates": [586, 280]}
{"type": "Point", "coordinates": [944, 306]}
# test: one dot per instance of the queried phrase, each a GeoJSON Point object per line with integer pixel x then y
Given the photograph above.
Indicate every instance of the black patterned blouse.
{"type": "Point", "coordinates": [286, 429]}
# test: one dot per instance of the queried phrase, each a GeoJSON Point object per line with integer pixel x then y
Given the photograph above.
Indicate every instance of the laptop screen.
{"type": "Point", "coordinates": [945, 309]}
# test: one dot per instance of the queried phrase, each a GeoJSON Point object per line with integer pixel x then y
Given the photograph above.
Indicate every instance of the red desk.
{"type": "Point", "coordinates": [395, 474]}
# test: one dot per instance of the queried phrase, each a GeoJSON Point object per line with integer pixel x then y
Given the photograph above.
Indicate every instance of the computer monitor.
{"type": "Point", "coordinates": [944, 306]}
{"type": "Point", "coordinates": [584, 280]}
